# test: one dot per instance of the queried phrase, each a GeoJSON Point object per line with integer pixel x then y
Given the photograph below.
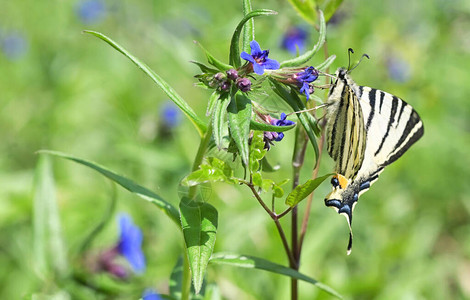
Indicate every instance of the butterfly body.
{"type": "Point", "coordinates": [367, 130]}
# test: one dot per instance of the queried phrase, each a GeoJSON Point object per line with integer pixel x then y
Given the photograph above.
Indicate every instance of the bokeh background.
{"type": "Point", "coordinates": [67, 91]}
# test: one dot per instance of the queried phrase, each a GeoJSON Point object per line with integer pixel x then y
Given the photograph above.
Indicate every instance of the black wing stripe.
{"type": "Point", "coordinates": [403, 104]}
{"type": "Point", "coordinates": [343, 131]}
{"type": "Point", "coordinates": [371, 98]}
{"type": "Point", "coordinates": [391, 120]}
{"type": "Point", "coordinates": [334, 128]}
{"type": "Point", "coordinates": [382, 95]}
{"type": "Point", "coordinates": [414, 130]}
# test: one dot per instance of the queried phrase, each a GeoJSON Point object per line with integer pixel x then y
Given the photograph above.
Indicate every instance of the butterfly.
{"type": "Point", "coordinates": [367, 129]}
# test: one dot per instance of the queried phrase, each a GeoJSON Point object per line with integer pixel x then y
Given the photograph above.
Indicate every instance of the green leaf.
{"type": "Point", "coordinates": [213, 61]}
{"type": "Point", "coordinates": [239, 116]}
{"type": "Point", "coordinates": [306, 9]}
{"type": "Point", "coordinates": [257, 151]}
{"type": "Point", "coordinates": [248, 28]}
{"type": "Point", "coordinates": [257, 179]}
{"type": "Point", "coordinates": [213, 171]}
{"type": "Point", "coordinates": [304, 58]}
{"type": "Point", "coordinates": [49, 249]}
{"type": "Point", "coordinates": [199, 224]}
{"type": "Point", "coordinates": [126, 183]}
{"type": "Point", "coordinates": [171, 93]}
{"type": "Point", "coordinates": [302, 191]}
{"type": "Point", "coordinates": [326, 63]}
{"type": "Point", "coordinates": [215, 96]}
{"type": "Point", "coordinates": [219, 119]}
{"type": "Point", "coordinates": [234, 44]}
{"type": "Point", "coordinates": [251, 262]}
{"type": "Point", "coordinates": [268, 127]}
{"type": "Point", "coordinates": [204, 68]}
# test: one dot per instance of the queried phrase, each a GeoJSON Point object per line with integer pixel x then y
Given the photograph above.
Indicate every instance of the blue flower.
{"type": "Point", "coordinates": [130, 243]}
{"type": "Point", "coordinates": [281, 122]}
{"type": "Point", "coordinates": [91, 11]}
{"type": "Point", "coordinates": [259, 59]}
{"type": "Point", "coordinates": [294, 38]}
{"type": "Point", "coordinates": [14, 46]}
{"type": "Point", "coordinates": [171, 115]}
{"type": "Point", "coordinates": [304, 79]}
{"type": "Point", "coordinates": [150, 294]}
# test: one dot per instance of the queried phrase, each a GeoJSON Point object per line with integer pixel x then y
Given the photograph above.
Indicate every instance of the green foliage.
{"type": "Point", "coordinates": [212, 171]}
{"type": "Point", "coordinates": [251, 262]}
{"type": "Point", "coordinates": [199, 124]}
{"type": "Point", "coordinates": [310, 9]}
{"type": "Point", "coordinates": [239, 116]}
{"type": "Point", "coordinates": [219, 119]}
{"type": "Point", "coordinates": [303, 190]}
{"type": "Point", "coordinates": [235, 43]}
{"type": "Point", "coordinates": [126, 183]}
{"type": "Point", "coordinates": [199, 224]}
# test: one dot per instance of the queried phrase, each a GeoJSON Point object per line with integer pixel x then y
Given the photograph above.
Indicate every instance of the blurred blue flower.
{"type": "Point", "coordinates": [398, 69]}
{"type": "Point", "coordinates": [91, 11]}
{"type": "Point", "coordinates": [130, 243]}
{"type": "Point", "coordinates": [150, 294]}
{"type": "Point", "coordinates": [171, 114]}
{"type": "Point", "coordinates": [306, 77]}
{"type": "Point", "coordinates": [259, 59]}
{"type": "Point", "coordinates": [14, 45]}
{"type": "Point", "coordinates": [294, 38]}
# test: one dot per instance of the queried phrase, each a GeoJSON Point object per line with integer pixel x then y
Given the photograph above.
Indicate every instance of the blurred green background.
{"type": "Point", "coordinates": [67, 91]}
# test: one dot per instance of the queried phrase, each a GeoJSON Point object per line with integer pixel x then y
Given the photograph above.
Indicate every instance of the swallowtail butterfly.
{"type": "Point", "coordinates": [367, 130]}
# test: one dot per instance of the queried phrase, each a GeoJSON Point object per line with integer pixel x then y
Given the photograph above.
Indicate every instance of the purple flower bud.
{"type": "Point", "coordinates": [219, 76]}
{"type": "Point", "coordinates": [232, 74]}
{"type": "Point", "coordinates": [225, 86]}
{"type": "Point", "coordinates": [244, 84]}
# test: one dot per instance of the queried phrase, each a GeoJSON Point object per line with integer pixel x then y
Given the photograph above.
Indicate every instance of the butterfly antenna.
{"type": "Point", "coordinates": [350, 50]}
{"type": "Point", "coordinates": [362, 57]}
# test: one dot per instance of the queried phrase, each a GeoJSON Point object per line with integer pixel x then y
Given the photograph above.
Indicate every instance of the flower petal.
{"type": "Point", "coordinates": [255, 48]}
{"type": "Point", "coordinates": [271, 64]}
{"type": "Point", "coordinates": [259, 69]}
{"type": "Point", "coordinates": [247, 57]}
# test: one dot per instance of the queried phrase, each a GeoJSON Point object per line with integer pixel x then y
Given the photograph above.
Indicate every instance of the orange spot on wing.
{"type": "Point", "coordinates": [343, 182]}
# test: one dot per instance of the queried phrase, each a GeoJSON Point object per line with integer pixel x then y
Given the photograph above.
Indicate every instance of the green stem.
{"type": "Point", "coordinates": [199, 157]}
{"type": "Point", "coordinates": [186, 280]}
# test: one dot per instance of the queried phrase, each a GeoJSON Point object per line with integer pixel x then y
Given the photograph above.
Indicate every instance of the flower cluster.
{"type": "Point", "coordinates": [304, 79]}
{"type": "Point", "coordinates": [270, 136]}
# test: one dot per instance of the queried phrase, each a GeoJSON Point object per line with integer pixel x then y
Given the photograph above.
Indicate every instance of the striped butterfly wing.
{"type": "Point", "coordinates": [346, 134]}
{"type": "Point", "coordinates": [391, 127]}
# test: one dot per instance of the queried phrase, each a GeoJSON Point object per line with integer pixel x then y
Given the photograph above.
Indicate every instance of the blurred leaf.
{"type": "Point", "coordinates": [307, 120]}
{"type": "Point", "coordinates": [126, 183]}
{"type": "Point", "coordinates": [49, 247]}
{"type": "Point", "coordinates": [212, 292]}
{"type": "Point", "coordinates": [324, 65]}
{"type": "Point", "coordinates": [302, 191]}
{"type": "Point", "coordinates": [199, 224]}
{"type": "Point", "coordinates": [219, 119]}
{"type": "Point", "coordinates": [267, 167]}
{"type": "Point", "coordinates": [248, 28]}
{"type": "Point", "coordinates": [257, 179]}
{"type": "Point", "coordinates": [268, 127]}
{"type": "Point", "coordinates": [239, 116]}
{"type": "Point", "coordinates": [306, 9]}
{"type": "Point", "coordinates": [234, 44]}
{"type": "Point", "coordinates": [329, 7]}
{"type": "Point", "coordinates": [212, 171]}
{"type": "Point", "coordinates": [278, 191]}
{"type": "Point", "coordinates": [251, 262]}
{"type": "Point", "coordinates": [171, 93]}
{"type": "Point", "coordinates": [213, 61]}
{"type": "Point", "coordinates": [176, 278]}
{"type": "Point", "coordinates": [304, 58]}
